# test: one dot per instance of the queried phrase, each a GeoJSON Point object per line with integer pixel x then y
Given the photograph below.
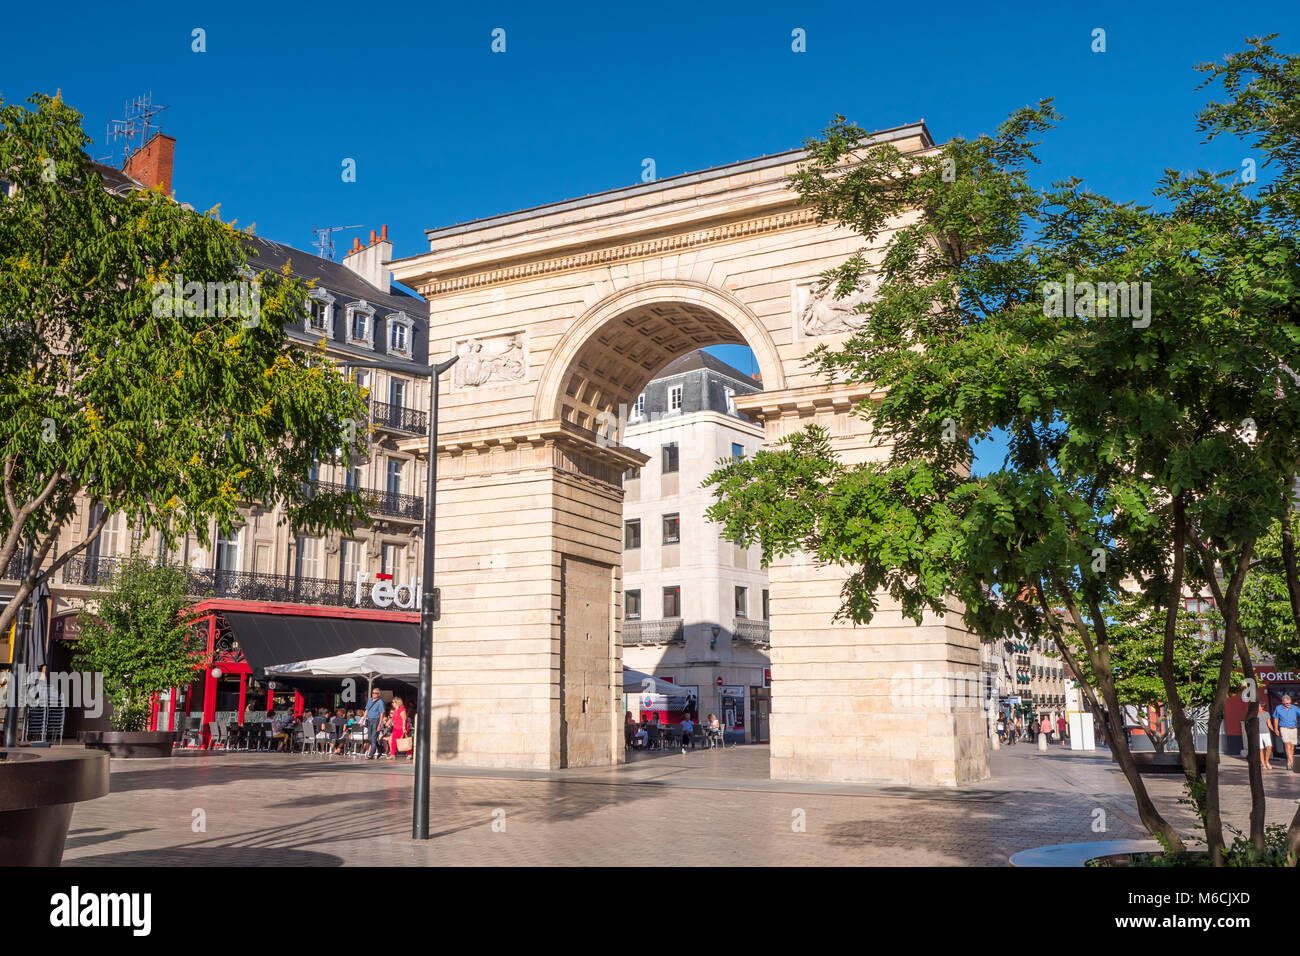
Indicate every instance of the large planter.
{"type": "Point", "coordinates": [136, 743]}
{"type": "Point", "coordinates": [38, 789]}
{"type": "Point", "coordinates": [1167, 762]}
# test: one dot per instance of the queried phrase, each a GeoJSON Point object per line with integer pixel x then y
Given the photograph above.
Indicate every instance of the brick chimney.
{"type": "Point", "coordinates": [370, 261]}
{"type": "Point", "coordinates": [151, 164]}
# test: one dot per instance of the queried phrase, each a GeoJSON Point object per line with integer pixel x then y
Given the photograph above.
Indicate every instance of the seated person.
{"type": "Point", "coordinates": [280, 735]}
{"type": "Point", "coordinates": [642, 737]}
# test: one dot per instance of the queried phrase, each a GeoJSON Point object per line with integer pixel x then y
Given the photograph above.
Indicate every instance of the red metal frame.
{"type": "Point", "coordinates": [209, 610]}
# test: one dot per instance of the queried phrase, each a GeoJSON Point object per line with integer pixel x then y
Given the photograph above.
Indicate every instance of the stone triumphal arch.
{"type": "Point", "coordinates": [561, 314]}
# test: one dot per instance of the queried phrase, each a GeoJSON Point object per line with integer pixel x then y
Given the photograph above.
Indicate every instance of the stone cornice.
{"type": "Point", "coordinates": [621, 252]}
{"type": "Point", "coordinates": [806, 400]}
{"type": "Point", "coordinates": [553, 432]}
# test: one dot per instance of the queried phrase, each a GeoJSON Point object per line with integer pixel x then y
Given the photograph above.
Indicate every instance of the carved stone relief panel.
{"type": "Point", "coordinates": [492, 360]}
{"type": "Point", "coordinates": [816, 314]}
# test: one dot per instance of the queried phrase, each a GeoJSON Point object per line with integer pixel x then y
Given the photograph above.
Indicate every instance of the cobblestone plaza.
{"type": "Point", "coordinates": [706, 808]}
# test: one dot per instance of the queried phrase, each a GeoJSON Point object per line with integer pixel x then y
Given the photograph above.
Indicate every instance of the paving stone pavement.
{"type": "Point", "coordinates": [706, 808]}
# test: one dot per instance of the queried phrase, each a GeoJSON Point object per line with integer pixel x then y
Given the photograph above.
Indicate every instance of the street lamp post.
{"type": "Point", "coordinates": [423, 703]}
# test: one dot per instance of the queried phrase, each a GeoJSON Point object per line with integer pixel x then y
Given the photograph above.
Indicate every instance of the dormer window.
{"type": "Point", "coordinates": [320, 313]}
{"type": "Point", "coordinates": [399, 333]}
{"type": "Point", "coordinates": [361, 324]}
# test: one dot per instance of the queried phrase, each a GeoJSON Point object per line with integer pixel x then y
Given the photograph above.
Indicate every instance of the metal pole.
{"type": "Point", "coordinates": [15, 687]}
{"type": "Point", "coordinates": [424, 702]}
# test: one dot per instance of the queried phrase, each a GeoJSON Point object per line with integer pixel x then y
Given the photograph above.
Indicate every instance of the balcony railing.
{"type": "Point", "coordinates": [397, 418]}
{"type": "Point", "coordinates": [654, 632]}
{"type": "Point", "coordinates": [14, 568]}
{"type": "Point", "coordinates": [388, 504]}
{"type": "Point", "coordinates": [96, 571]}
{"type": "Point", "coordinates": [751, 632]}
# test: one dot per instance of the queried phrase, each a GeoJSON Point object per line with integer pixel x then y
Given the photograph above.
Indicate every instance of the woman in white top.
{"type": "Point", "coordinates": [1265, 736]}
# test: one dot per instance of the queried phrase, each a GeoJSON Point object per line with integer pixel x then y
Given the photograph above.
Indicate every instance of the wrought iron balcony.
{"type": "Point", "coordinates": [398, 418]}
{"type": "Point", "coordinates": [654, 632]}
{"type": "Point", "coordinates": [95, 571]}
{"type": "Point", "coordinates": [751, 632]}
{"type": "Point", "coordinates": [14, 568]}
{"type": "Point", "coordinates": [388, 504]}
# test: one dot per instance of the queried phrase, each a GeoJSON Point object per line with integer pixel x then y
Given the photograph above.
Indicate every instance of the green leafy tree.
{"type": "Point", "coordinates": [1152, 428]}
{"type": "Point", "coordinates": [140, 639]}
{"type": "Point", "coordinates": [1267, 620]}
{"type": "Point", "coordinates": [1136, 635]}
{"type": "Point", "coordinates": [172, 409]}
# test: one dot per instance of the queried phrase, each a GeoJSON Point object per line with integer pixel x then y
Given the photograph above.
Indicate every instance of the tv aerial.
{"type": "Point", "coordinates": [325, 239]}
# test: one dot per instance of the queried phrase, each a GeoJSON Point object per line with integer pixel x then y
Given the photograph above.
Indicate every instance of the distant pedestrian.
{"type": "Point", "coordinates": [1285, 724]}
{"type": "Point", "coordinates": [399, 725]}
{"type": "Point", "coordinates": [374, 714]}
{"type": "Point", "coordinates": [688, 728]}
{"type": "Point", "coordinates": [1033, 730]}
{"type": "Point", "coordinates": [1061, 728]}
{"type": "Point", "coordinates": [1002, 728]}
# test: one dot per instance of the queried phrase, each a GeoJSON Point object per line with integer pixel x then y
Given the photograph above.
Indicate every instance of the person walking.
{"type": "Point", "coordinates": [399, 725]}
{"type": "Point", "coordinates": [688, 728]}
{"type": "Point", "coordinates": [1284, 724]}
{"type": "Point", "coordinates": [374, 714]}
{"type": "Point", "coordinates": [1265, 736]}
{"type": "Point", "coordinates": [1002, 728]}
{"type": "Point", "coordinates": [1061, 728]}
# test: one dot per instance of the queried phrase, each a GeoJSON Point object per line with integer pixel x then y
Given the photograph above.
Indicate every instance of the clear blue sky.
{"type": "Point", "coordinates": [444, 130]}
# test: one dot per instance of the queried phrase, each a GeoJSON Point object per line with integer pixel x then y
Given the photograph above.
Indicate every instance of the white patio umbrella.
{"type": "Point", "coordinates": [368, 662]}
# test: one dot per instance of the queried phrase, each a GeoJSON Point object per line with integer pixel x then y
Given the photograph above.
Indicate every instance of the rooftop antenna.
{"type": "Point", "coordinates": [325, 239]}
{"type": "Point", "coordinates": [137, 128]}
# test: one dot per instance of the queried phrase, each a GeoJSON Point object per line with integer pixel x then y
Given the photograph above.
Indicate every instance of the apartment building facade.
{"type": "Point", "coordinates": [695, 607]}
{"type": "Point", "coordinates": [313, 582]}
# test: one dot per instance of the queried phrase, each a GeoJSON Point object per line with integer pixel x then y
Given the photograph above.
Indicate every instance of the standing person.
{"type": "Point", "coordinates": [1265, 735]}
{"type": "Point", "coordinates": [1284, 724]}
{"type": "Point", "coordinates": [399, 724]}
{"type": "Point", "coordinates": [1033, 729]}
{"type": "Point", "coordinates": [1061, 728]}
{"type": "Point", "coordinates": [1002, 727]}
{"type": "Point", "coordinates": [374, 714]}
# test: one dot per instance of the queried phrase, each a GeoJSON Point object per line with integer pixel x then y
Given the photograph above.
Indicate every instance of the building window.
{"type": "Point", "coordinates": [391, 558]}
{"type": "Point", "coordinates": [673, 601]}
{"type": "Point", "coordinates": [352, 478]}
{"type": "Point", "coordinates": [632, 474]}
{"type": "Point", "coordinates": [672, 529]}
{"type": "Point", "coordinates": [742, 602]}
{"type": "Point", "coordinates": [632, 605]}
{"type": "Point", "coordinates": [765, 612]}
{"type": "Point", "coordinates": [227, 554]}
{"type": "Point", "coordinates": [394, 476]}
{"type": "Point", "coordinates": [675, 398]}
{"type": "Point", "coordinates": [737, 451]}
{"type": "Point", "coordinates": [632, 534]}
{"type": "Point", "coordinates": [638, 408]}
{"type": "Point", "coordinates": [399, 333]}
{"type": "Point", "coordinates": [349, 559]}
{"type": "Point", "coordinates": [308, 557]}
{"type": "Point", "coordinates": [320, 313]}
{"type": "Point", "coordinates": [398, 389]}
{"type": "Point", "coordinates": [670, 458]}
{"type": "Point", "coordinates": [361, 324]}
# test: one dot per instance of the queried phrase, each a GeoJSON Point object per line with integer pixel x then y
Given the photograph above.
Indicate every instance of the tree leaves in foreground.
{"type": "Point", "coordinates": [1135, 358]}
{"type": "Point", "coordinates": [141, 639]}
{"type": "Point", "coordinates": [143, 367]}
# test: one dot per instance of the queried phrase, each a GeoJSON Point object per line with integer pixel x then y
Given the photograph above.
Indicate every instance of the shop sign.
{"type": "Point", "coordinates": [384, 593]}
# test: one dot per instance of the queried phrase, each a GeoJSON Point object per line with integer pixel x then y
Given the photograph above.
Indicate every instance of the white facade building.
{"type": "Point", "coordinates": [695, 606]}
